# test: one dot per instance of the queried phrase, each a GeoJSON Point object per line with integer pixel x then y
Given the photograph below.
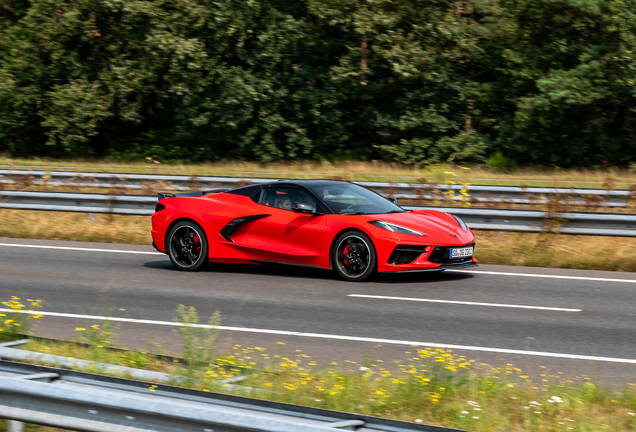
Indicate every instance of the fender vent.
{"type": "Point", "coordinates": [232, 225]}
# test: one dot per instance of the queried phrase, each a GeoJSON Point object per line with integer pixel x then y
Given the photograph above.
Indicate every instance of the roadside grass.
{"type": "Point", "coordinates": [431, 386]}
{"type": "Point", "coordinates": [505, 248]}
{"type": "Point", "coordinates": [350, 170]}
{"type": "Point", "coordinates": [556, 250]}
{"type": "Point", "coordinates": [101, 228]}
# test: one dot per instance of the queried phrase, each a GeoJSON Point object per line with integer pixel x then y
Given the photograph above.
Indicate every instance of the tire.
{"type": "Point", "coordinates": [187, 246]}
{"type": "Point", "coordinates": [353, 256]}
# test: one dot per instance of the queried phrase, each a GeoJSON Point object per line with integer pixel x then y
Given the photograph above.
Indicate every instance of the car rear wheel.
{"type": "Point", "coordinates": [354, 256]}
{"type": "Point", "coordinates": [188, 246]}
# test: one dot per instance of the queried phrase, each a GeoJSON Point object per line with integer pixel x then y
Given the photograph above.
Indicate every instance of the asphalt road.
{"type": "Point", "coordinates": [579, 322]}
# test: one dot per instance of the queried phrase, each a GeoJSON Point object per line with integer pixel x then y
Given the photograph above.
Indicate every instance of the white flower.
{"type": "Point", "coordinates": [537, 412]}
{"type": "Point", "coordinates": [556, 399]}
{"type": "Point", "coordinates": [362, 368]}
{"type": "Point", "coordinates": [472, 403]}
{"type": "Point", "coordinates": [465, 412]}
{"type": "Point", "coordinates": [418, 420]}
{"type": "Point", "coordinates": [631, 414]}
{"type": "Point", "coordinates": [476, 418]}
{"type": "Point", "coordinates": [477, 409]}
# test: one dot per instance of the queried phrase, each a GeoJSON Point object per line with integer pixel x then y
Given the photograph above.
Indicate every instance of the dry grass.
{"type": "Point", "coordinates": [75, 226]}
{"type": "Point", "coordinates": [350, 170]}
{"type": "Point", "coordinates": [555, 250]}
{"type": "Point", "coordinates": [523, 249]}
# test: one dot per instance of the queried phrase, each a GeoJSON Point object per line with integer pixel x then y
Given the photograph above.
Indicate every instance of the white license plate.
{"type": "Point", "coordinates": [461, 252]}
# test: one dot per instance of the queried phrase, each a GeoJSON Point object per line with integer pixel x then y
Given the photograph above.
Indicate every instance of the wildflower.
{"type": "Point", "coordinates": [465, 412]}
{"type": "Point", "coordinates": [80, 329]}
{"type": "Point", "coordinates": [631, 414]}
{"type": "Point", "coordinates": [476, 418]}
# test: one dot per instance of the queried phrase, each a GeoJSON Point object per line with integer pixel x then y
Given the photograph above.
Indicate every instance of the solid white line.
{"type": "Point", "coordinates": [466, 303]}
{"type": "Point", "coordinates": [81, 249]}
{"type": "Point", "coordinates": [339, 337]}
{"type": "Point", "coordinates": [548, 276]}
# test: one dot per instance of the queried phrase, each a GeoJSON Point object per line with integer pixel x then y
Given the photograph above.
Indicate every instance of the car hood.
{"type": "Point", "coordinates": [431, 223]}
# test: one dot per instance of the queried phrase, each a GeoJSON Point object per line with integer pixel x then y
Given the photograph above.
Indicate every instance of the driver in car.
{"type": "Point", "coordinates": [285, 204]}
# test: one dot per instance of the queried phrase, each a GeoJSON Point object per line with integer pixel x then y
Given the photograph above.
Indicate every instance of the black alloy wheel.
{"type": "Point", "coordinates": [354, 256]}
{"type": "Point", "coordinates": [187, 246]}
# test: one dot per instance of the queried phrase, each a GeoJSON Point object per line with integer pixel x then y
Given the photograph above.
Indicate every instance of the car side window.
{"type": "Point", "coordinates": [284, 197]}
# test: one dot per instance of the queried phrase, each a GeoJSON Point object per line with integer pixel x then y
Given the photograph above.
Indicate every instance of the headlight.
{"type": "Point", "coordinates": [395, 228]}
{"type": "Point", "coordinates": [461, 223]}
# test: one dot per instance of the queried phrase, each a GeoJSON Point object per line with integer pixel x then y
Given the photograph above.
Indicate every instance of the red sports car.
{"type": "Point", "coordinates": [319, 223]}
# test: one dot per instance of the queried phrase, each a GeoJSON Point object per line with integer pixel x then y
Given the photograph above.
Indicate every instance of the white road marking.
{"type": "Point", "coordinates": [548, 276]}
{"type": "Point", "coordinates": [82, 249]}
{"type": "Point", "coordinates": [338, 337]}
{"type": "Point", "coordinates": [466, 303]}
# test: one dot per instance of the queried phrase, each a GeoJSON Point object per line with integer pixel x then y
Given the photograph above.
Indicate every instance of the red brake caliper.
{"type": "Point", "coordinates": [344, 252]}
{"type": "Point", "coordinates": [197, 242]}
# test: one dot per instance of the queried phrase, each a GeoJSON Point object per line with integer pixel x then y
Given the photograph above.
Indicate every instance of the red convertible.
{"type": "Point", "coordinates": [318, 223]}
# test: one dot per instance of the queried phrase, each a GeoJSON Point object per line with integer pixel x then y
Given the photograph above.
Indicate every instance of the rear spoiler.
{"type": "Point", "coordinates": [162, 195]}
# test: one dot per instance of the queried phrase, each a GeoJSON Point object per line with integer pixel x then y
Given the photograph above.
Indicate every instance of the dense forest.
{"type": "Point", "coordinates": [416, 81]}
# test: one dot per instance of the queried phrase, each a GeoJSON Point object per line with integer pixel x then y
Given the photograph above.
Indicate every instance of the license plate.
{"type": "Point", "coordinates": [461, 252]}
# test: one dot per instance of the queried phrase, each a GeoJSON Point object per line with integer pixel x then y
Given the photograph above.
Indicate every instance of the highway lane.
{"type": "Point", "coordinates": [583, 317]}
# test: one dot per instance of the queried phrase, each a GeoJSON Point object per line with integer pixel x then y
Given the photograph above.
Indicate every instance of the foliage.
{"type": "Point", "coordinates": [545, 82]}
{"type": "Point", "coordinates": [497, 162]}
{"type": "Point", "coordinates": [16, 320]}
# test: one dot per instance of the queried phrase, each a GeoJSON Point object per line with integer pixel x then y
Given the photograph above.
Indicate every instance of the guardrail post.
{"type": "Point", "coordinates": [14, 426]}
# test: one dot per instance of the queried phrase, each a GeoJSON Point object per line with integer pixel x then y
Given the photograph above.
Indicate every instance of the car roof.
{"type": "Point", "coordinates": [253, 189]}
{"type": "Point", "coordinates": [303, 182]}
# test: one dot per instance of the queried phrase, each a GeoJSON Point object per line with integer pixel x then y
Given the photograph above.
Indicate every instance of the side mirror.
{"type": "Point", "coordinates": [302, 208]}
{"type": "Point", "coordinates": [393, 200]}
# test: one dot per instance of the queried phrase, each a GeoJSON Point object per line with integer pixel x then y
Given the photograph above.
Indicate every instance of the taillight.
{"type": "Point", "coordinates": [159, 207]}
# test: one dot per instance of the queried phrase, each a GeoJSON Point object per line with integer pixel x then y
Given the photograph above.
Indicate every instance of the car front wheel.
{"type": "Point", "coordinates": [187, 246]}
{"type": "Point", "coordinates": [354, 256]}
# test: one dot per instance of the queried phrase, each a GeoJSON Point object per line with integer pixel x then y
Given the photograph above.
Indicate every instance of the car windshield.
{"type": "Point", "coordinates": [348, 198]}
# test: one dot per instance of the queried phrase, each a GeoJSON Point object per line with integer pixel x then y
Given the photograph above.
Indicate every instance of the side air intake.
{"type": "Point", "coordinates": [232, 225]}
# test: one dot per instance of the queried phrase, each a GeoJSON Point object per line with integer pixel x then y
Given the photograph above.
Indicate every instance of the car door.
{"type": "Point", "coordinates": [287, 236]}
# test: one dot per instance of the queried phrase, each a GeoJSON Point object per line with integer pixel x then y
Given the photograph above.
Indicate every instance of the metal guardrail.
{"type": "Point", "coordinates": [96, 403]}
{"type": "Point", "coordinates": [581, 223]}
{"type": "Point", "coordinates": [140, 205]}
{"type": "Point", "coordinates": [477, 193]}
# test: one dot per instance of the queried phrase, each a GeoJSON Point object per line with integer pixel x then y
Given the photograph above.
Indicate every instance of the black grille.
{"type": "Point", "coordinates": [441, 255]}
{"type": "Point", "coordinates": [405, 254]}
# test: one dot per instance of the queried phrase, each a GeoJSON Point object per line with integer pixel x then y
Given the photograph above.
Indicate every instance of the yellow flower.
{"type": "Point", "coordinates": [80, 329]}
